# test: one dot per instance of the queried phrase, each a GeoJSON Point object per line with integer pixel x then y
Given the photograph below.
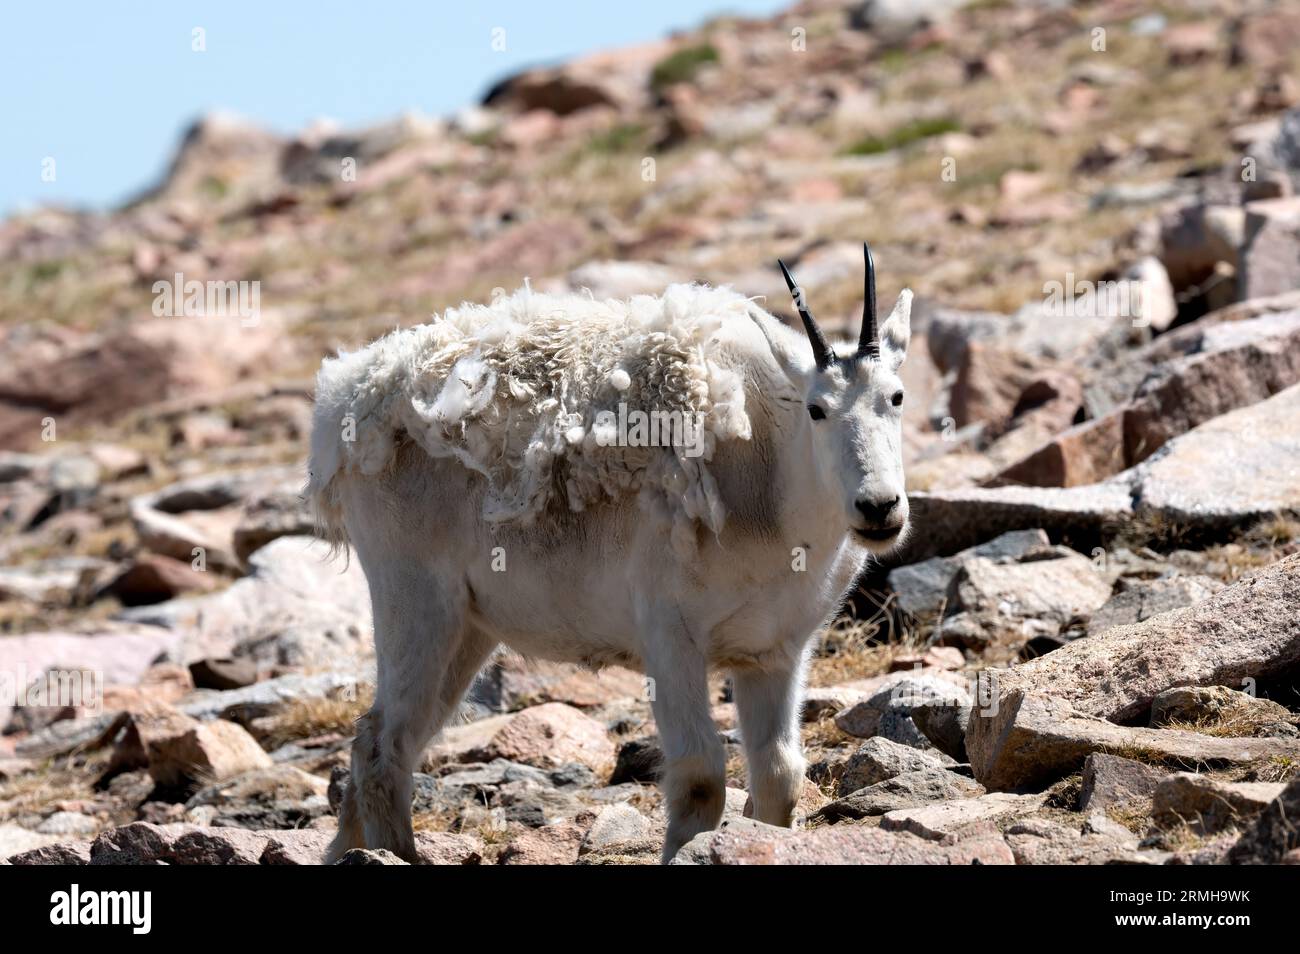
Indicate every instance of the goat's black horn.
{"type": "Point", "coordinates": [869, 338]}
{"type": "Point", "coordinates": [822, 352]}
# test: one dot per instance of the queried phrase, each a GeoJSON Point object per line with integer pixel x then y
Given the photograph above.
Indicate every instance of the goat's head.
{"type": "Point", "coordinates": [855, 405]}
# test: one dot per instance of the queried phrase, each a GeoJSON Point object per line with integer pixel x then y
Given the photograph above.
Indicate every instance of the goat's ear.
{"type": "Point", "coordinates": [897, 330]}
{"type": "Point", "coordinates": [788, 348]}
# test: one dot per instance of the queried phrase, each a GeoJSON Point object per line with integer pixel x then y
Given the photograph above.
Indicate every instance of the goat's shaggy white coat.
{"type": "Point", "coordinates": [461, 460]}
{"type": "Point", "coordinates": [515, 391]}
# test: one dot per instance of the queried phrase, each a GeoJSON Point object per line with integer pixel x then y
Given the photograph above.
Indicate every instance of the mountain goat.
{"type": "Point", "coordinates": [492, 474]}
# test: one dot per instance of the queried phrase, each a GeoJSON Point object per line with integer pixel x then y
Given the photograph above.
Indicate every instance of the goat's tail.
{"type": "Point", "coordinates": [327, 513]}
{"type": "Point", "coordinates": [352, 432]}
{"type": "Point", "coordinates": [326, 462]}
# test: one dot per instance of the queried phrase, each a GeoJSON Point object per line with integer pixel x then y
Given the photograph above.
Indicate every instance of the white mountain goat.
{"type": "Point", "coordinates": [496, 473]}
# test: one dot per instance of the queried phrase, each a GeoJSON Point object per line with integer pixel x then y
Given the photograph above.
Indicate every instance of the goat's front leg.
{"type": "Point", "coordinates": [768, 703]}
{"type": "Point", "coordinates": [694, 774]}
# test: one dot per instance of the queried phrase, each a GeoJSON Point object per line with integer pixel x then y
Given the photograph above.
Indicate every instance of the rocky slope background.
{"type": "Point", "coordinates": [1091, 651]}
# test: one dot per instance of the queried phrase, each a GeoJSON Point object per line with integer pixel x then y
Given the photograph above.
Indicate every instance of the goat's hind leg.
{"type": "Point", "coordinates": [427, 654]}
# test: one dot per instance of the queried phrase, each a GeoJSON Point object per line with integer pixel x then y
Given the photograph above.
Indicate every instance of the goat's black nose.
{"type": "Point", "coordinates": [876, 512]}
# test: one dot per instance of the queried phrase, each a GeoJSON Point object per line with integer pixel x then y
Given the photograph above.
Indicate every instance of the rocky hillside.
{"type": "Point", "coordinates": [1090, 651]}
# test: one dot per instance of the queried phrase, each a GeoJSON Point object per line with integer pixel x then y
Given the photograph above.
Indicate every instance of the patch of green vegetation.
{"type": "Point", "coordinates": [625, 137]}
{"type": "Point", "coordinates": [897, 60]}
{"type": "Point", "coordinates": [902, 136]}
{"type": "Point", "coordinates": [213, 188]}
{"type": "Point", "coordinates": [44, 272]}
{"type": "Point", "coordinates": [486, 137]}
{"type": "Point", "coordinates": [992, 174]}
{"type": "Point", "coordinates": [681, 67]}
{"type": "Point", "coordinates": [893, 60]}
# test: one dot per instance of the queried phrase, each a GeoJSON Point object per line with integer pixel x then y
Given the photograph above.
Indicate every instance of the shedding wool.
{"type": "Point", "coordinates": [534, 392]}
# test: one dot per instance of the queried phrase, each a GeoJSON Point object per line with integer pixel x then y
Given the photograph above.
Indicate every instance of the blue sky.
{"type": "Point", "coordinates": [106, 88]}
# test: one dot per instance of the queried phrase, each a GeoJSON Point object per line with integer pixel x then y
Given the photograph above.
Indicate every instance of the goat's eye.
{"type": "Point", "coordinates": [816, 413]}
{"type": "Point", "coordinates": [897, 399]}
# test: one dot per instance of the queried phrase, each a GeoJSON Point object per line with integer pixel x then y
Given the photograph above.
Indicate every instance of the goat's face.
{"type": "Point", "coordinates": [855, 407]}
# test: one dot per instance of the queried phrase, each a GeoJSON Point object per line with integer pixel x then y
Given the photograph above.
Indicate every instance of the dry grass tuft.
{"type": "Point", "coordinates": [493, 834]}
{"type": "Point", "coordinates": [1065, 793]}
{"type": "Point", "coordinates": [1277, 769]}
{"type": "Point", "coordinates": [1140, 753]}
{"type": "Point", "coordinates": [1154, 531]}
{"type": "Point", "coordinates": [824, 734]}
{"type": "Point", "coordinates": [1277, 530]}
{"type": "Point", "coordinates": [1134, 815]}
{"type": "Point", "coordinates": [1261, 544]}
{"type": "Point", "coordinates": [646, 799]}
{"type": "Point", "coordinates": [862, 648]}
{"type": "Point", "coordinates": [57, 780]}
{"type": "Point", "coordinates": [1186, 835]}
{"type": "Point", "coordinates": [1242, 723]}
{"type": "Point", "coordinates": [307, 718]}
{"type": "Point", "coordinates": [443, 819]}
{"type": "Point", "coordinates": [1226, 554]}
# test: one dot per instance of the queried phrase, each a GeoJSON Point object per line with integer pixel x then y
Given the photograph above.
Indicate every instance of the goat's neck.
{"type": "Point", "coordinates": [814, 495]}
